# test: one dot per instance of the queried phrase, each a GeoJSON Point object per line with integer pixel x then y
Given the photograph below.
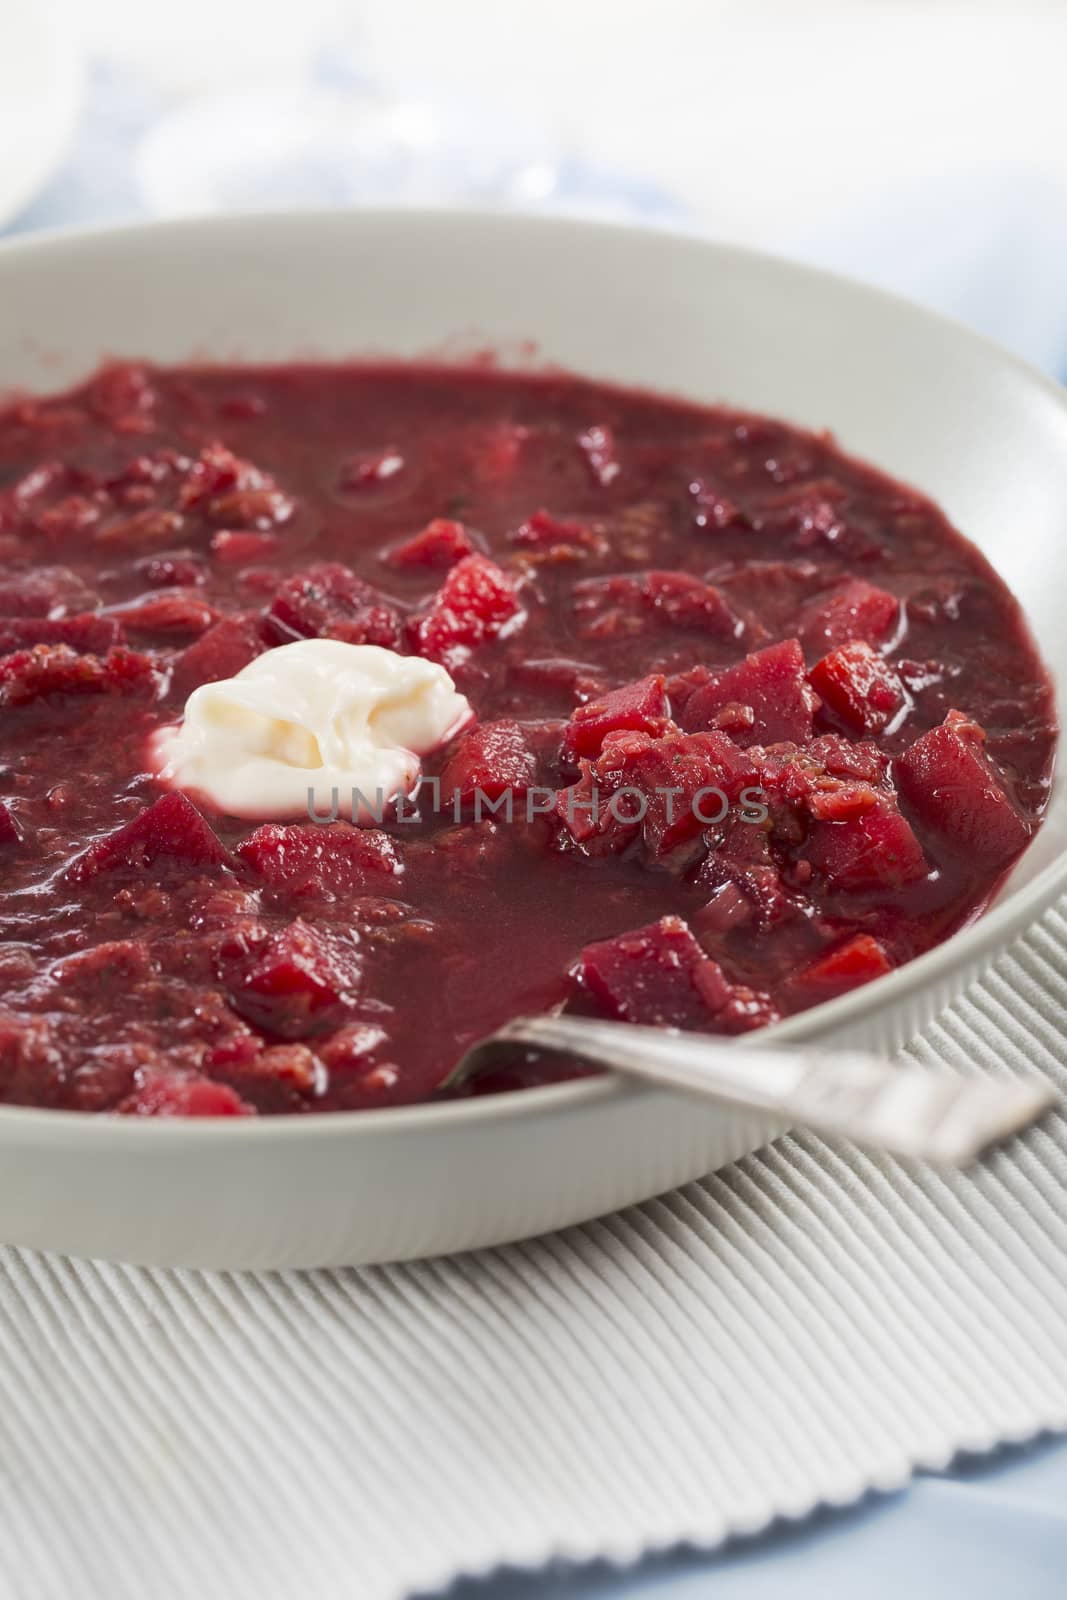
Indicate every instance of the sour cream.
{"type": "Point", "coordinates": [313, 727]}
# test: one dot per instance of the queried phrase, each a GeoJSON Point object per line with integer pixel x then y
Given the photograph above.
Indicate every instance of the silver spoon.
{"type": "Point", "coordinates": [908, 1111]}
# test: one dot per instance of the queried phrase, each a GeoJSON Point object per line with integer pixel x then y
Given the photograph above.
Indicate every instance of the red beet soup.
{"type": "Point", "coordinates": [754, 725]}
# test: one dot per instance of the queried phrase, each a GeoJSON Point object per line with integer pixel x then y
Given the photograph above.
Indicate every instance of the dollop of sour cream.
{"type": "Point", "coordinates": [313, 727]}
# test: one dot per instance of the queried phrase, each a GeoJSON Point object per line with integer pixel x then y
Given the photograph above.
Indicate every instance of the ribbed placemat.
{"type": "Point", "coordinates": [807, 1325]}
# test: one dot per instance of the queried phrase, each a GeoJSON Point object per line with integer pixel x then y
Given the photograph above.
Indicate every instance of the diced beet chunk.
{"type": "Point", "coordinates": [771, 683]}
{"type": "Point", "coordinates": [175, 611]}
{"type": "Point", "coordinates": [949, 782]}
{"type": "Point", "coordinates": [665, 790]}
{"type": "Point", "coordinates": [175, 1094]}
{"type": "Point", "coordinates": [233, 493]}
{"type": "Point", "coordinates": [856, 610]}
{"type": "Point", "coordinates": [303, 982]}
{"type": "Point", "coordinates": [219, 653]}
{"type": "Point", "coordinates": [728, 908]}
{"type": "Point", "coordinates": [688, 602]}
{"type": "Point", "coordinates": [625, 604]}
{"type": "Point", "coordinates": [638, 707]}
{"type": "Point", "coordinates": [493, 759]}
{"type": "Point", "coordinates": [44, 592]}
{"type": "Point", "coordinates": [172, 826]}
{"type": "Point", "coordinates": [123, 396]}
{"type": "Point", "coordinates": [324, 861]}
{"type": "Point", "coordinates": [48, 669]}
{"type": "Point", "coordinates": [329, 601]}
{"type": "Point", "coordinates": [847, 966]}
{"type": "Point", "coordinates": [845, 758]}
{"type": "Point", "coordinates": [172, 571]}
{"type": "Point", "coordinates": [545, 532]}
{"type": "Point", "coordinates": [117, 964]}
{"type": "Point", "coordinates": [740, 859]}
{"type": "Point", "coordinates": [659, 976]}
{"type": "Point", "coordinates": [280, 1078]}
{"type": "Point", "coordinates": [859, 687]}
{"type": "Point", "coordinates": [150, 526]}
{"type": "Point", "coordinates": [689, 781]}
{"type": "Point", "coordinates": [440, 544]}
{"type": "Point", "coordinates": [88, 633]}
{"type": "Point", "coordinates": [239, 547]}
{"type": "Point", "coordinates": [474, 604]}
{"type": "Point", "coordinates": [871, 848]}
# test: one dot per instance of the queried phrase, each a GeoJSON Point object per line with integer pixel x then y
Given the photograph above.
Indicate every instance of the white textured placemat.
{"type": "Point", "coordinates": [805, 1326]}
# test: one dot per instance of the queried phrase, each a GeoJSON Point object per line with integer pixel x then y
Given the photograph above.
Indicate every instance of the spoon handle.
{"type": "Point", "coordinates": [909, 1111]}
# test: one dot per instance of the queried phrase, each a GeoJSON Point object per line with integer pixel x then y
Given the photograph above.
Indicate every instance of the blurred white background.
{"type": "Point", "coordinates": [920, 145]}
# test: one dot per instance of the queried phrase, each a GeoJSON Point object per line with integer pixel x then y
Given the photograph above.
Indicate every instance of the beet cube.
{"type": "Point", "coordinates": [948, 780]}
{"type": "Point", "coordinates": [667, 789]}
{"type": "Point", "coordinates": [848, 965]}
{"type": "Point", "coordinates": [87, 633]}
{"type": "Point", "coordinates": [440, 544]}
{"type": "Point", "coordinates": [687, 602]}
{"type": "Point", "coordinates": [232, 493]}
{"type": "Point", "coordinates": [660, 977]}
{"type": "Point", "coordinates": [682, 686]}
{"type": "Point", "coordinates": [746, 1010]}
{"type": "Point", "coordinates": [856, 610]}
{"type": "Point", "coordinates": [543, 531]}
{"type": "Point", "coordinates": [657, 975]}
{"type": "Point", "coordinates": [688, 781]}
{"type": "Point", "coordinates": [874, 848]}
{"type": "Point", "coordinates": [175, 1094]}
{"type": "Point", "coordinates": [323, 861]}
{"type": "Point", "coordinates": [640, 707]}
{"type": "Point", "coordinates": [43, 592]}
{"type": "Point", "coordinates": [303, 982]}
{"type": "Point", "coordinates": [173, 571]}
{"type": "Point", "coordinates": [172, 827]}
{"type": "Point", "coordinates": [329, 601]}
{"type": "Point", "coordinates": [219, 653]}
{"type": "Point", "coordinates": [239, 547]}
{"type": "Point", "coordinates": [48, 669]}
{"type": "Point", "coordinates": [846, 758]}
{"type": "Point", "coordinates": [859, 687]}
{"type": "Point", "coordinates": [493, 758]}
{"type": "Point", "coordinates": [123, 396]}
{"type": "Point", "coordinates": [626, 604]}
{"type": "Point", "coordinates": [741, 859]}
{"type": "Point", "coordinates": [474, 604]}
{"type": "Point", "coordinates": [772, 683]}
{"type": "Point", "coordinates": [728, 908]}
{"type": "Point", "coordinates": [175, 611]}
{"type": "Point", "coordinates": [117, 964]}
{"type": "Point", "coordinates": [281, 1078]}
{"type": "Point", "coordinates": [130, 672]}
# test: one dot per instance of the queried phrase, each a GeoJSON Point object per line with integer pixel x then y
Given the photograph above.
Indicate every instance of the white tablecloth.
{"type": "Point", "coordinates": [803, 1327]}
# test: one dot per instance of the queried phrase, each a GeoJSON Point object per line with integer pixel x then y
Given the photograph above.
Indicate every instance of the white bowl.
{"type": "Point", "coordinates": [932, 404]}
